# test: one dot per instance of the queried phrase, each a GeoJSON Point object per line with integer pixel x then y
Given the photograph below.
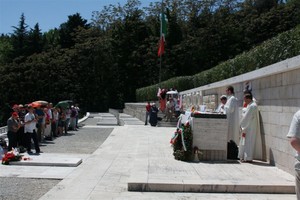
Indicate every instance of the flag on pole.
{"type": "Point", "coordinates": [163, 33]}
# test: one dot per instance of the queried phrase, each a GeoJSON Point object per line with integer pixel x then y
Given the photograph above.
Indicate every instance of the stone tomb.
{"type": "Point", "coordinates": [210, 136]}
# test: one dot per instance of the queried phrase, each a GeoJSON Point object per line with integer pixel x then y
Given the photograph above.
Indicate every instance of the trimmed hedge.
{"type": "Point", "coordinates": [150, 93]}
{"type": "Point", "coordinates": [285, 45]}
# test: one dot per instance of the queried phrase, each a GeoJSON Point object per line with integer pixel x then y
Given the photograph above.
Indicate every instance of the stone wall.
{"type": "Point", "coordinates": [277, 91]}
{"type": "Point", "coordinates": [137, 110]}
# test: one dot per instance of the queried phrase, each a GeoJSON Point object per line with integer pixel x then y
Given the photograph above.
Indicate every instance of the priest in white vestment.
{"type": "Point", "coordinates": [221, 107]}
{"type": "Point", "coordinates": [250, 131]}
{"type": "Point", "coordinates": [232, 113]}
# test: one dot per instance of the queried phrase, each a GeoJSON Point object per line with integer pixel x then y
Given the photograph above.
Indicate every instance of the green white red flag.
{"type": "Point", "coordinates": [163, 33]}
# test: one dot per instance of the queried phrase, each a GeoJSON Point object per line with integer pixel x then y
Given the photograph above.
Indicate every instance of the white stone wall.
{"type": "Point", "coordinates": [137, 110]}
{"type": "Point", "coordinates": [277, 91]}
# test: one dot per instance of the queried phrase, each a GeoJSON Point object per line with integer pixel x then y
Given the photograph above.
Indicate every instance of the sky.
{"type": "Point", "coordinates": [50, 14]}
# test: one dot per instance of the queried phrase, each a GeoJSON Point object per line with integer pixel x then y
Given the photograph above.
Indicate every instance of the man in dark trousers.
{"type": "Point", "coordinates": [148, 110]}
{"type": "Point", "coordinates": [30, 121]}
{"type": "Point", "coordinates": [153, 115]}
{"type": "Point", "coordinates": [13, 126]}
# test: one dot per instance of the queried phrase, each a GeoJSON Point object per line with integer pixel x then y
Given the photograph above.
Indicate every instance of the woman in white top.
{"type": "Point", "coordinates": [30, 132]}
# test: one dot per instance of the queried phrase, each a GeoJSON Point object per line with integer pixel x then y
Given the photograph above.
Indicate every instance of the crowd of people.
{"type": "Point", "coordinates": [169, 105]}
{"type": "Point", "coordinates": [38, 123]}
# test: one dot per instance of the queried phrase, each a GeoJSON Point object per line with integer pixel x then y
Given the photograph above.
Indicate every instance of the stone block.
{"type": "Point", "coordinates": [210, 136]}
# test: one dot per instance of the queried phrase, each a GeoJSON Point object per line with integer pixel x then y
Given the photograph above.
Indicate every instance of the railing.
{"type": "Point", "coordinates": [3, 132]}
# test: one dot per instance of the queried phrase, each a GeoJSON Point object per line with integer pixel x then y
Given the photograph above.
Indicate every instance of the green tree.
{"type": "Point", "coordinates": [35, 40]}
{"type": "Point", "coordinates": [67, 29]}
{"type": "Point", "coordinates": [6, 49]}
{"type": "Point", "coordinates": [51, 39]}
{"type": "Point", "coordinates": [20, 38]}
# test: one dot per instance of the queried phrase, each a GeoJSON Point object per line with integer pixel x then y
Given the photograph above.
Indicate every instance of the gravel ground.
{"type": "Point", "coordinates": [84, 141]}
{"type": "Point", "coordinates": [24, 188]}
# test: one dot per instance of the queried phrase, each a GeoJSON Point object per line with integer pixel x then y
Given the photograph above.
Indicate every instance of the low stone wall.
{"type": "Point", "coordinates": [137, 110]}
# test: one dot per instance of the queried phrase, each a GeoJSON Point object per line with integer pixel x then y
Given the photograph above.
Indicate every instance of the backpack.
{"type": "Point", "coordinates": [232, 150]}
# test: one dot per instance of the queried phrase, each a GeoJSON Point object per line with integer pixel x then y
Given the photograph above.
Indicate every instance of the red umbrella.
{"type": "Point", "coordinates": [39, 103]}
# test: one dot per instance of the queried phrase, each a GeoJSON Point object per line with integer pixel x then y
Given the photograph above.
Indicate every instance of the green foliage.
{"type": "Point", "coordinates": [20, 38]}
{"type": "Point", "coordinates": [178, 150]}
{"type": "Point", "coordinates": [108, 62]}
{"type": "Point", "coordinates": [150, 92]}
{"type": "Point", "coordinates": [5, 49]}
{"type": "Point", "coordinates": [284, 46]}
{"type": "Point", "coordinates": [67, 30]}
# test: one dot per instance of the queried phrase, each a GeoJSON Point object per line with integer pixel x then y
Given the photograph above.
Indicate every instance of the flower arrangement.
{"type": "Point", "coordinates": [182, 143]}
{"type": "Point", "coordinates": [12, 155]}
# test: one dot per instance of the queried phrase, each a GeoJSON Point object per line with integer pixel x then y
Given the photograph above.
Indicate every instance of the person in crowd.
{"type": "Point", "coordinates": [40, 118]}
{"type": "Point", "coordinates": [250, 130]}
{"type": "Point", "coordinates": [15, 108]}
{"type": "Point", "coordinates": [148, 111]}
{"type": "Point", "coordinates": [68, 117]}
{"type": "Point", "coordinates": [20, 134]}
{"type": "Point", "coordinates": [294, 137]}
{"type": "Point", "coordinates": [30, 121]}
{"type": "Point", "coordinates": [13, 126]}
{"type": "Point", "coordinates": [73, 119]}
{"type": "Point", "coordinates": [153, 115]}
{"type": "Point", "coordinates": [163, 101]}
{"type": "Point", "coordinates": [47, 125]}
{"type": "Point", "coordinates": [54, 123]}
{"type": "Point", "coordinates": [232, 113]}
{"type": "Point", "coordinates": [170, 109]}
{"type": "Point", "coordinates": [177, 108]}
{"type": "Point", "coordinates": [61, 121]}
{"type": "Point", "coordinates": [77, 114]}
{"type": "Point", "coordinates": [221, 107]}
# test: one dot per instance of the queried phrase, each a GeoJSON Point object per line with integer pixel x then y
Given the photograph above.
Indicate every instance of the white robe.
{"type": "Point", "coordinates": [251, 148]}
{"type": "Point", "coordinates": [232, 113]}
{"type": "Point", "coordinates": [220, 109]}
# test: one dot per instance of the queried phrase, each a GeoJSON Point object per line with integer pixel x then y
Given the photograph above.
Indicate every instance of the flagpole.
{"type": "Point", "coordinates": [160, 57]}
{"type": "Point", "coordinates": [160, 61]}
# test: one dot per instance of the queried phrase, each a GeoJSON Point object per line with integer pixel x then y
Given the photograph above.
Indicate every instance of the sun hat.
{"type": "Point", "coordinates": [15, 114]}
{"type": "Point", "coordinates": [223, 97]}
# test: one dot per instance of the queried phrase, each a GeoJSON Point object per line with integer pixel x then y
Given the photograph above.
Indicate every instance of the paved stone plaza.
{"type": "Point", "coordinates": [139, 158]}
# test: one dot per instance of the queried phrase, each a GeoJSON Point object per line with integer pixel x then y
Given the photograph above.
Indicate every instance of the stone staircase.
{"type": "Point", "coordinates": [163, 123]}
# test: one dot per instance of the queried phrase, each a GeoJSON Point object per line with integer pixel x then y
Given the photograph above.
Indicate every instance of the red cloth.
{"type": "Point", "coordinates": [148, 107]}
{"type": "Point", "coordinates": [161, 48]}
{"type": "Point", "coordinates": [162, 104]}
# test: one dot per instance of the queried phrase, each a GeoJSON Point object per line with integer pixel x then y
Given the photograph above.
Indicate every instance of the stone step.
{"type": "Point", "coordinates": [163, 123]}
{"type": "Point", "coordinates": [170, 175]}
{"type": "Point", "coordinates": [166, 124]}
{"type": "Point", "coordinates": [49, 159]}
{"type": "Point", "coordinates": [130, 121]}
{"type": "Point", "coordinates": [213, 187]}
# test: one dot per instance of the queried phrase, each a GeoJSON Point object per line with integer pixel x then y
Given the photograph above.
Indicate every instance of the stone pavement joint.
{"type": "Point", "coordinates": [140, 158]}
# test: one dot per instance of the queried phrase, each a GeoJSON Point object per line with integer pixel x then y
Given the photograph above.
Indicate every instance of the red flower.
{"type": "Point", "coordinates": [10, 156]}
